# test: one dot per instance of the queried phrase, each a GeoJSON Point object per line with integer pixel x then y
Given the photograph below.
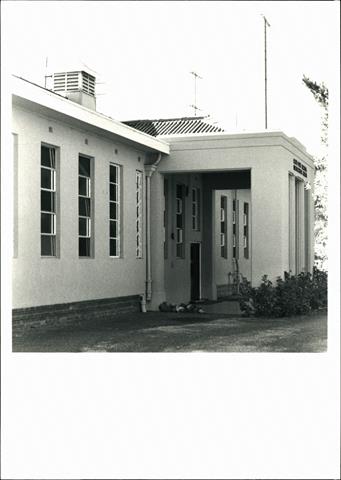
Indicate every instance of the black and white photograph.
{"type": "Point", "coordinates": [170, 185]}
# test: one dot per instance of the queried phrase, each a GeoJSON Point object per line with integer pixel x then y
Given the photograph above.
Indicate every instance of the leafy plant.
{"type": "Point", "coordinates": [292, 295]}
{"type": "Point", "coordinates": [321, 95]}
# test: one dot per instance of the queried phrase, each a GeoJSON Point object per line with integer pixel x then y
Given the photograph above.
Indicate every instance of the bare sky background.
{"type": "Point", "coordinates": [142, 53]}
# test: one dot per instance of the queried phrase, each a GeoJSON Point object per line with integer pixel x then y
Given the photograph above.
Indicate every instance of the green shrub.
{"type": "Point", "coordinates": [293, 295]}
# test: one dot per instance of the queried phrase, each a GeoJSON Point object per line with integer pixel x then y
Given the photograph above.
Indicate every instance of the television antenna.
{"type": "Point", "coordinates": [194, 106]}
{"type": "Point", "coordinates": [266, 24]}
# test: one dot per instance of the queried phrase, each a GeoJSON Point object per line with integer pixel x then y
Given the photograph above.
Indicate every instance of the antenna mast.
{"type": "Point", "coordinates": [194, 106]}
{"type": "Point", "coordinates": [46, 76]}
{"type": "Point", "coordinates": [266, 24]}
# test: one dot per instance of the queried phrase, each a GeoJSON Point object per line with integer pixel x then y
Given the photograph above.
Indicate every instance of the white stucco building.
{"type": "Point", "coordinates": [106, 212]}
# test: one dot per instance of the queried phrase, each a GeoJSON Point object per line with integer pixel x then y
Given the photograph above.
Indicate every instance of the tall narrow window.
{"type": "Point", "coordinates": [139, 213]}
{"type": "Point", "coordinates": [246, 230]}
{"type": "Point", "coordinates": [84, 206]}
{"type": "Point", "coordinates": [165, 219]}
{"type": "Point", "coordinates": [179, 221]}
{"type": "Point", "coordinates": [48, 202]}
{"type": "Point", "coordinates": [114, 210]}
{"type": "Point", "coordinates": [195, 209]}
{"type": "Point", "coordinates": [234, 230]}
{"type": "Point", "coordinates": [223, 226]}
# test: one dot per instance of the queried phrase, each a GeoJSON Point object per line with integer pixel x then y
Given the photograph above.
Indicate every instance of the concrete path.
{"type": "Point", "coordinates": [172, 332]}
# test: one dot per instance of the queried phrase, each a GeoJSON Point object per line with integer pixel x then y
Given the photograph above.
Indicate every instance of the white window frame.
{"type": "Point", "coordinates": [222, 239]}
{"type": "Point", "coordinates": [118, 209]}
{"type": "Point", "coordinates": [139, 214]}
{"type": "Point", "coordinates": [195, 209]}
{"type": "Point", "coordinates": [88, 219]}
{"type": "Point", "coordinates": [53, 189]}
{"type": "Point", "coordinates": [179, 231]}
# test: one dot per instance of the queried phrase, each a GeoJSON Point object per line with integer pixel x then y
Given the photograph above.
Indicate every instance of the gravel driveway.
{"type": "Point", "coordinates": [171, 332]}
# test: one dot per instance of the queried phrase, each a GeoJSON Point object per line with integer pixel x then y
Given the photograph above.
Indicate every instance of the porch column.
{"type": "Point", "coordinates": [311, 238]}
{"type": "Point", "coordinates": [269, 222]}
{"type": "Point", "coordinates": [208, 241]}
{"type": "Point", "coordinates": [292, 225]}
{"type": "Point", "coordinates": [300, 241]}
{"type": "Point", "coordinates": [307, 231]}
{"type": "Point", "coordinates": [156, 252]}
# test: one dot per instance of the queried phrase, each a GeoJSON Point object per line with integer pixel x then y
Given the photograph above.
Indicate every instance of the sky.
{"type": "Point", "coordinates": [142, 54]}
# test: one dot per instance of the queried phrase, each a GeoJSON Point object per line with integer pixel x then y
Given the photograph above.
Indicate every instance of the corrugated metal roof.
{"type": "Point", "coordinates": [174, 126]}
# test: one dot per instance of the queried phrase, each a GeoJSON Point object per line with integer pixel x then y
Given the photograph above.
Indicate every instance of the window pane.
{"type": "Point", "coordinates": [47, 201]}
{"type": "Point", "coordinates": [113, 211]}
{"type": "Point", "coordinates": [179, 191]}
{"type": "Point", "coordinates": [84, 247]}
{"type": "Point", "coordinates": [113, 174]}
{"type": "Point", "coordinates": [113, 248]}
{"type": "Point", "coordinates": [46, 179]}
{"type": "Point", "coordinates": [46, 223]}
{"type": "Point", "coordinates": [179, 221]}
{"type": "Point", "coordinates": [113, 229]}
{"type": "Point", "coordinates": [48, 157]}
{"type": "Point", "coordinates": [48, 245]}
{"type": "Point", "coordinates": [83, 185]}
{"type": "Point", "coordinates": [113, 192]}
{"type": "Point", "coordinates": [84, 206]}
{"type": "Point", "coordinates": [84, 166]}
{"type": "Point", "coordinates": [83, 226]}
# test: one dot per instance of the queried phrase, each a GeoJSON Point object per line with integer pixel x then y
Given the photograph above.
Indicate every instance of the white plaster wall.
{"type": "Point", "coordinates": [270, 158]}
{"type": "Point", "coordinates": [177, 270]}
{"type": "Point", "coordinates": [225, 265]}
{"type": "Point", "coordinates": [43, 281]}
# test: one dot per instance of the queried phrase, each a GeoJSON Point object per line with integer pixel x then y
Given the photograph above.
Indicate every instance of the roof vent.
{"type": "Point", "coordinates": [78, 86]}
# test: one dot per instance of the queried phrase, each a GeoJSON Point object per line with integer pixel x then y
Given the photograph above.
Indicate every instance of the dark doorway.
{"type": "Point", "coordinates": [195, 271]}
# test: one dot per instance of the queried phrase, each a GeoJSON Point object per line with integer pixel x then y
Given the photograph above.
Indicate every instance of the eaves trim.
{"type": "Point", "coordinates": [45, 98]}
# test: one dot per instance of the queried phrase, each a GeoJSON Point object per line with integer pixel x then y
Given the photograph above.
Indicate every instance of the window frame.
{"type": "Point", "coordinates": [246, 229]}
{"type": "Point", "coordinates": [223, 227]}
{"type": "Point", "coordinates": [116, 201]}
{"type": "Point", "coordinates": [89, 219]}
{"type": "Point", "coordinates": [54, 214]}
{"type": "Point", "coordinates": [196, 209]}
{"type": "Point", "coordinates": [180, 213]}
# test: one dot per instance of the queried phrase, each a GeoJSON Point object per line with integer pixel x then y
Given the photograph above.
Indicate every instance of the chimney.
{"type": "Point", "coordinates": [78, 86]}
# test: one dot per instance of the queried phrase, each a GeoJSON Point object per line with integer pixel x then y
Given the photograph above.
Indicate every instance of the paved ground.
{"type": "Point", "coordinates": [171, 332]}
